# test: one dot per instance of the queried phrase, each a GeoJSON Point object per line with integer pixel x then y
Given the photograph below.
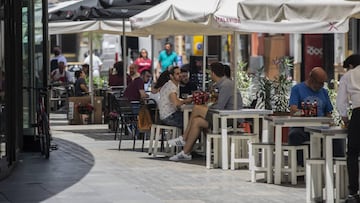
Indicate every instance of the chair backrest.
{"type": "Point", "coordinates": [153, 108]}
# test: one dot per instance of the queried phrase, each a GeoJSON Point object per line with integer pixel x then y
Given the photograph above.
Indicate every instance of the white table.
{"type": "Point", "coordinates": [327, 134]}
{"type": "Point", "coordinates": [289, 121]}
{"type": "Point", "coordinates": [224, 115]}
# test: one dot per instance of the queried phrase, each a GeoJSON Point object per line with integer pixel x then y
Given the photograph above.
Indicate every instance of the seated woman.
{"type": "Point", "coordinates": [80, 84]}
{"type": "Point", "coordinates": [155, 90]}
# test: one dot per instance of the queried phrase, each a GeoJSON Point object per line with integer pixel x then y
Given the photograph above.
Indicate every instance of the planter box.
{"type": "Point", "coordinates": [73, 114]}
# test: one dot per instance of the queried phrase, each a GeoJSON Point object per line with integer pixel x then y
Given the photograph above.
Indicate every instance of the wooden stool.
{"type": "Point", "coordinates": [240, 146]}
{"type": "Point", "coordinates": [264, 166]}
{"type": "Point", "coordinates": [314, 183]}
{"type": "Point", "coordinates": [158, 133]}
{"type": "Point", "coordinates": [292, 166]}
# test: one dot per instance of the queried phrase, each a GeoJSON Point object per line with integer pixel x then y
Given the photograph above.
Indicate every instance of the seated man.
{"type": "Point", "coordinates": [60, 74]}
{"type": "Point", "coordinates": [170, 102]}
{"type": "Point", "coordinates": [310, 90]}
{"type": "Point", "coordinates": [201, 118]}
{"type": "Point", "coordinates": [186, 86]}
{"type": "Point", "coordinates": [135, 91]}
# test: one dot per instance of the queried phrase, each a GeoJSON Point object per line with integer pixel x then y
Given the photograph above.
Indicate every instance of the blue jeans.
{"type": "Point", "coordinates": [175, 119]}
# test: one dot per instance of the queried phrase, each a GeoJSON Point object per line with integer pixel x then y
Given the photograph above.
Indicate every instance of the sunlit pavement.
{"type": "Point", "coordinates": [88, 167]}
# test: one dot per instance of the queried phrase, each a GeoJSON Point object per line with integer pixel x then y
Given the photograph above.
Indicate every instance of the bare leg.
{"type": "Point", "coordinates": [197, 111]}
{"type": "Point", "coordinates": [196, 125]}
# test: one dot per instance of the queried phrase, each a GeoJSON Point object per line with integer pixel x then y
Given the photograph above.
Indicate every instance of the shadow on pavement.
{"type": "Point", "coordinates": [36, 179]}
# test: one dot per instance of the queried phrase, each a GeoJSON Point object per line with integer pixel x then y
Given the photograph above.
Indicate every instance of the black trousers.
{"type": "Point", "coordinates": [353, 151]}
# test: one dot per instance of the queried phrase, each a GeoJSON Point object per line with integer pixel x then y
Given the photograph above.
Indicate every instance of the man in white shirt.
{"type": "Point", "coordinates": [349, 91]}
{"type": "Point", "coordinates": [96, 64]}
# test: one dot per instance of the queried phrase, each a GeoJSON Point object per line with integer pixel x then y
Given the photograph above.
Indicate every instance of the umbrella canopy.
{"type": "Point", "coordinates": [102, 26]}
{"type": "Point", "coordinates": [98, 9]}
{"type": "Point", "coordinates": [215, 17]}
{"type": "Point", "coordinates": [295, 10]}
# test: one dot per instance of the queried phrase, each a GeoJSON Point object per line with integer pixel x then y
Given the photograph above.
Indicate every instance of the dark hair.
{"type": "Point", "coordinates": [168, 44]}
{"type": "Point", "coordinates": [354, 60]}
{"type": "Point", "coordinates": [218, 69]}
{"type": "Point", "coordinates": [119, 66]}
{"type": "Point", "coordinates": [183, 70]}
{"type": "Point", "coordinates": [163, 78]}
{"type": "Point", "coordinates": [77, 73]}
{"type": "Point", "coordinates": [145, 71]}
{"type": "Point", "coordinates": [172, 69]}
{"type": "Point", "coordinates": [227, 70]}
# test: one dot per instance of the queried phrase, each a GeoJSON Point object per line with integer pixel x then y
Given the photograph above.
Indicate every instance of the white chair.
{"type": "Point", "coordinates": [240, 150]}
{"type": "Point", "coordinates": [212, 149]}
{"type": "Point", "coordinates": [314, 185]}
{"type": "Point", "coordinates": [263, 163]}
{"type": "Point", "coordinates": [163, 133]}
{"type": "Point", "coordinates": [291, 166]}
{"type": "Point", "coordinates": [341, 179]}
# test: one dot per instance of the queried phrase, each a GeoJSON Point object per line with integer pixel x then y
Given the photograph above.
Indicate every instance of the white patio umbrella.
{"type": "Point", "coordinates": [217, 17]}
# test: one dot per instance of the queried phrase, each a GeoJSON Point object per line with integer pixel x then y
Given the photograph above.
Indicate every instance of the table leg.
{"type": "Point", "coordinates": [315, 152]}
{"type": "Point", "coordinates": [278, 155]}
{"type": "Point", "coordinates": [329, 170]}
{"type": "Point", "coordinates": [256, 126]}
{"type": "Point", "coordinates": [224, 144]}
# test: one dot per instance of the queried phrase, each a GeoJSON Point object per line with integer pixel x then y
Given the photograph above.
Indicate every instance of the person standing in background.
{"type": "Point", "coordinates": [96, 65]}
{"type": "Point", "coordinates": [143, 61]}
{"type": "Point", "coordinates": [56, 58]}
{"type": "Point", "coordinates": [349, 90]}
{"type": "Point", "coordinates": [167, 57]}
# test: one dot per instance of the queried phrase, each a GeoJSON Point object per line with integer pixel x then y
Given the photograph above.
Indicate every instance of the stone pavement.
{"type": "Point", "coordinates": [88, 167]}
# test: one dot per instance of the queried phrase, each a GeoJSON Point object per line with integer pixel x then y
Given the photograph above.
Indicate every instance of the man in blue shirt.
{"type": "Point", "coordinates": [311, 90]}
{"type": "Point", "coordinates": [167, 57]}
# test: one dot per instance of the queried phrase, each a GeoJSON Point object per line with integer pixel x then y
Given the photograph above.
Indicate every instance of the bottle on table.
{"type": "Point", "coordinates": [314, 108]}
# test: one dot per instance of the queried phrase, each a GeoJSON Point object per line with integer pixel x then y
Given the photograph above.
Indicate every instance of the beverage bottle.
{"type": "Point", "coordinates": [307, 108]}
{"type": "Point", "coordinates": [302, 108]}
{"type": "Point", "coordinates": [314, 108]}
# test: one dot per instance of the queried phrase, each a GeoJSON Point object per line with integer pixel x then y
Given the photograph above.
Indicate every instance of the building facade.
{"type": "Point", "coordinates": [23, 68]}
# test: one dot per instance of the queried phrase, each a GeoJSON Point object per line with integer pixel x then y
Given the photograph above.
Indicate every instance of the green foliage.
{"type": "Point", "coordinates": [332, 95]}
{"type": "Point", "coordinates": [274, 94]}
{"type": "Point", "coordinates": [243, 82]}
{"type": "Point", "coordinates": [282, 85]}
{"type": "Point", "coordinates": [243, 79]}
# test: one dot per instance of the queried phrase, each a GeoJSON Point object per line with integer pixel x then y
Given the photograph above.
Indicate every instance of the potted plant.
{"type": "Point", "coordinates": [282, 85]}
{"type": "Point", "coordinates": [274, 94]}
{"type": "Point", "coordinates": [243, 83]}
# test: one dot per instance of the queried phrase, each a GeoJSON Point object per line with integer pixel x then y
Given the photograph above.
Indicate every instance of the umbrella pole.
{"type": "Point", "coordinates": [91, 82]}
{"type": "Point", "coordinates": [234, 65]}
{"type": "Point", "coordinates": [124, 52]}
{"type": "Point", "coordinates": [205, 44]}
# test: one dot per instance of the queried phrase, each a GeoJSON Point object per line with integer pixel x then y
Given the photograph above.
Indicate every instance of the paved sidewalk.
{"type": "Point", "coordinates": [88, 167]}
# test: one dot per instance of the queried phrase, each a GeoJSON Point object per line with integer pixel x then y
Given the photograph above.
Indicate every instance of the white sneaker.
{"type": "Point", "coordinates": [179, 141]}
{"type": "Point", "coordinates": [181, 156]}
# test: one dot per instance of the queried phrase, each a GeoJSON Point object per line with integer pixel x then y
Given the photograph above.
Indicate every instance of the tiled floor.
{"type": "Point", "coordinates": [87, 167]}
